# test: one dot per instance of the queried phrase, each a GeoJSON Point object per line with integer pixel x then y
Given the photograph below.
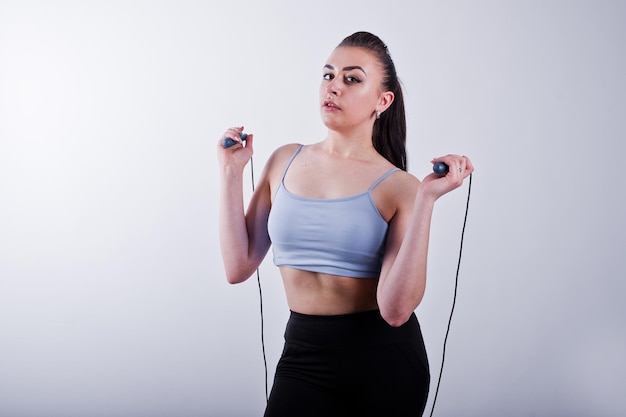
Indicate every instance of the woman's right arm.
{"type": "Point", "coordinates": [244, 240]}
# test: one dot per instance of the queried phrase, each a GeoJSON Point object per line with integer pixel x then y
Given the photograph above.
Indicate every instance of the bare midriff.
{"type": "Point", "coordinates": [323, 294]}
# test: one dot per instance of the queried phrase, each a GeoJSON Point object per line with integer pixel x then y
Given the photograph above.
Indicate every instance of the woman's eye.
{"type": "Point", "coordinates": [328, 76]}
{"type": "Point", "coordinates": [352, 80]}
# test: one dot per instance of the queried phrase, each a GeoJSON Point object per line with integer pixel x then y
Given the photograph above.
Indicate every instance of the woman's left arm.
{"type": "Point", "coordinates": [403, 275]}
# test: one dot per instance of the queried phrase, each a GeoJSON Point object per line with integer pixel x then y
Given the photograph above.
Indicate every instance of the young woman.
{"type": "Point", "coordinates": [349, 228]}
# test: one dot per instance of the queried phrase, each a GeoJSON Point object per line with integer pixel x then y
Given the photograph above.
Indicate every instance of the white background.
{"type": "Point", "coordinates": [112, 295]}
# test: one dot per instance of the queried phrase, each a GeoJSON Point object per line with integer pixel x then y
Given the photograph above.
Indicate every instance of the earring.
{"type": "Point", "coordinates": [377, 114]}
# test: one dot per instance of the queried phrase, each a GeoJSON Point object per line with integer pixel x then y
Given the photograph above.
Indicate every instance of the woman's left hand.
{"type": "Point", "coordinates": [435, 185]}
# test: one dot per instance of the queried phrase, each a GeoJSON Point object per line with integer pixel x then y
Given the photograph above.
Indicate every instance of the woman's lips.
{"type": "Point", "coordinates": [331, 106]}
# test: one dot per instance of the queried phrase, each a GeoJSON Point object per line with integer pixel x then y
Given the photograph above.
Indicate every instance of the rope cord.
{"type": "Point", "coordinates": [258, 280]}
{"type": "Point", "coordinates": [456, 286]}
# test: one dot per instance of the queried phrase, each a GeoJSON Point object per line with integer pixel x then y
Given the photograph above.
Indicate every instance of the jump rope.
{"type": "Point", "coordinates": [439, 168]}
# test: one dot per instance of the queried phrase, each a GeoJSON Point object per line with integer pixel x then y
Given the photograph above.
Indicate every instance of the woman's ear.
{"type": "Point", "coordinates": [386, 98]}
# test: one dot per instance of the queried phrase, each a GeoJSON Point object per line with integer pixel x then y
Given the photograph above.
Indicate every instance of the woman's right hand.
{"type": "Point", "coordinates": [237, 156]}
{"type": "Point", "coordinates": [436, 185]}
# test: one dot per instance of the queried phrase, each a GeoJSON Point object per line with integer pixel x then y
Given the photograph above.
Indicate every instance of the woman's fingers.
{"type": "Point", "coordinates": [459, 168]}
{"type": "Point", "coordinates": [231, 137]}
{"type": "Point", "coordinates": [458, 165]}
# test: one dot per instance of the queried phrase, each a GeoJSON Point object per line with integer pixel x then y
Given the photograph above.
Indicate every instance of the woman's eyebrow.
{"type": "Point", "coordinates": [349, 68]}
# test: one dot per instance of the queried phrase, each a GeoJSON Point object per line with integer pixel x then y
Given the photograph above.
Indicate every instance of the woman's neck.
{"type": "Point", "coordinates": [346, 145]}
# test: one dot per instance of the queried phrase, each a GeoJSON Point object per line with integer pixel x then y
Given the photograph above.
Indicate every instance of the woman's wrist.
{"type": "Point", "coordinates": [229, 173]}
{"type": "Point", "coordinates": [423, 198]}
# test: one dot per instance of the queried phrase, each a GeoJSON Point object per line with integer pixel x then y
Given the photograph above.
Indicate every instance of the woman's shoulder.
{"type": "Point", "coordinates": [396, 193]}
{"type": "Point", "coordinates": [286, 150]}
{"type": "Point", "coordinates": [404, 180]}
{"type": "Point", "coordinates": [402, 186]}
{"type": "Point", "coordinates": [282, 154]}
{"type": "Point", "coordinates": [279, 158]}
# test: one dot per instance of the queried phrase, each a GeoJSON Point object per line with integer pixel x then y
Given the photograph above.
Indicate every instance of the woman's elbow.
{"type": "Point", "coordinates": [397, 318]}
{"type": "Point", "coordinates": [234, 279]}
{"type": "Point", "coordinates": [396, 315]}
{"type": "Point", "coordinates": [237, 275]}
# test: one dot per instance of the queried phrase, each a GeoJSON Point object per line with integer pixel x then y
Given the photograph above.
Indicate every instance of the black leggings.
{"type": "Point", "coordinates": [350, 365]}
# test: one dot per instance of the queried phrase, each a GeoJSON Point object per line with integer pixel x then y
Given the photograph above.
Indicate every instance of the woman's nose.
{"type": "Point", "coordinates": [332, 88]}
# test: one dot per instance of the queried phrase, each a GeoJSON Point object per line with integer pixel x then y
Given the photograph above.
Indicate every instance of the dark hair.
{"type": "Point", "coordinates": [389, 136]}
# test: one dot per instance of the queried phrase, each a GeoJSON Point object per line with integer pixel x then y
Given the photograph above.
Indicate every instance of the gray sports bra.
{"type": "Point", "coordinates": [339, 236]}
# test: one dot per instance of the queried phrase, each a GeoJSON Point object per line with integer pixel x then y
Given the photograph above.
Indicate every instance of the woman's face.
{"type": "Point", "coordinates": [350, 91]}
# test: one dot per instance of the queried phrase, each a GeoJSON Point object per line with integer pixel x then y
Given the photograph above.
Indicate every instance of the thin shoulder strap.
{"type": "Point", "coordinates": [290, 161]}
{"type": "Point", "coordinates": [385, 175]}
